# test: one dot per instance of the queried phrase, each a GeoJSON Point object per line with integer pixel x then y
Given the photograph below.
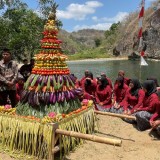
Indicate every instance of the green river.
{"type": "Point", "coordinates": [111, 67]}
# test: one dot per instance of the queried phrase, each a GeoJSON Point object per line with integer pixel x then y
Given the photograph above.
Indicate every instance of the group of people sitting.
{"type": "Point", "coordinates": [126, 96]}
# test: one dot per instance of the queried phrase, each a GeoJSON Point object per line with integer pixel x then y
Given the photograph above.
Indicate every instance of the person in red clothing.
{"type": "Point", "coordinates": [119, 92]}
{"type": "Point", "coordinates": [82, 81]}
{"type": "Point", "coordinates": [19, 87]}
{"type": "Point", "coordinates": [103, 95]}
{"type": "Point", "coordinates": [156, 124]}
{"type": "Point", "coordinates": [134, 97]}
{"type": "Point", "coordinates": [150, 110]}
{"type": "Point", "coordinates": [155, 80]}
{"type": "Point", "coordinates": [89, 87]}
{"type": "Point", "coordinates": [122, 74]}
{"type": "Point", "coordinates": [109, 80]}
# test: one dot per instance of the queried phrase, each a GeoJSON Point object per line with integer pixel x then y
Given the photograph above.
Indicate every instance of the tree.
{"type": "Point", "coordinates": [97, 42]}
{"type": "Point", "coordinates": [21, 27]}
{"type": "Point", "coordinates": [48, 6]}
{"type": "Point", "coordinates": [112, 29]}
{"type": "Point", "coordinates": [4, 30]}
{"type": "Point", "coordinates": [23, 31]}
{"type": "Point", "coordinates": [114, 26]}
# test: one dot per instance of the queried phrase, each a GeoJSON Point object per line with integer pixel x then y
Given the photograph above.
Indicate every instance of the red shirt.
{"type": "Point", "coordinates": [104, 96]}
{"type": "Point", "coordinates": [82, 81]}
{"type": "Point", "coordinates": [19, 89]}
{"type": "Point", "coordinates": [152, 104]}
{"type": "Point", "coordinates": [126, 81]}
{"type": "Point", "coordinates": [134, 101]}
{"type": "Point", "coordinates": [89, 90]}
{"type": "Point", "coordinates": [156, 114]}
{"type": "Point", "coordinates": [119, 93]}
{"type": "Point", "coordinates": [110, 82]}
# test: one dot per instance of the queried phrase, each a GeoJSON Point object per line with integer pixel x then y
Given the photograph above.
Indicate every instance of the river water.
{"type": "Point", "coordinates": [111, 67]}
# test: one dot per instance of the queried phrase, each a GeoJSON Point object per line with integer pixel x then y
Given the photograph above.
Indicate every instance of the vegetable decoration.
{"type": "Point", "coordinates": [50, 87]}
{"type": "Point", "coordinates": [49, 98]}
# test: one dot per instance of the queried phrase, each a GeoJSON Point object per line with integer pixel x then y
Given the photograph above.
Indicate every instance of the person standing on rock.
{"type": "Point", "coordinates": [8, 77]}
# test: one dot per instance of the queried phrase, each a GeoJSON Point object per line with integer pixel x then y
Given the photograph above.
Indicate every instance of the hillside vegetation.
{"type": "Point", "coordinates": [83, 44]}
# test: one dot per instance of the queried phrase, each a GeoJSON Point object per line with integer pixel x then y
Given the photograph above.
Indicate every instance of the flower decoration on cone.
{"type": "Point", "coordinates": [50, 87]}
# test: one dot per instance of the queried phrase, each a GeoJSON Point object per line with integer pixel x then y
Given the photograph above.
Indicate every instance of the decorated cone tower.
{"type": "Point", "coordinates": [49, 103]}
{"type": "Point", "coordinates": [50, 116]}
{"type": "Point", "coordinates": [50, 87]}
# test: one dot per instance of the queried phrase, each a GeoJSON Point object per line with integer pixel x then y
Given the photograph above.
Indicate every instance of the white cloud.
{"type": "Point", "coordinates": [95, 18]}
{"type": "Point", "coordinates": [79, 11]}
{"type": "Point", "coordinates": [119, 17]}
{"type": "Point", "coordinates": [94, 4]}
{"type": "Point", "coordinates": [150, 0]}
{"type": "Point", "coordinates": [103, 23]}
{"type": "Point", "coordinates": [99, 26]}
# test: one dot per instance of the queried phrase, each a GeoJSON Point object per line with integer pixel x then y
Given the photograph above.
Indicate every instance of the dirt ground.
{"type": "Point", "coordinates": [135, 144]}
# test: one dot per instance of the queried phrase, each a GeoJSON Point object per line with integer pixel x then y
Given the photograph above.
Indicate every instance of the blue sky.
{"type": "Point", "coordinates": [95, 14]}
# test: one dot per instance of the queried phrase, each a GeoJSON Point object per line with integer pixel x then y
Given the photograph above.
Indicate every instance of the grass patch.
{"type": "Point", "coordinates": [91, 54]}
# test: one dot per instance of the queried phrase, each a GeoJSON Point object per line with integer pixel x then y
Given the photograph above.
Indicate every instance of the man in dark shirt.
{"type": "Point", "coordinates": [31, 65]}
{"type": "Point", "coordinates": [8, 77]}
{"type": "Point", "coordinates": [25, 70]}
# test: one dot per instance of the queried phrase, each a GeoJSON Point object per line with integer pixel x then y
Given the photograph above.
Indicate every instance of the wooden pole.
{"type": "Point", "coordinates": [56, 149]}
{"type": "Point", "coordinates": [116, 115]}
{"type": "Point", "coordinates": [140, 73]}
{"type": "Point", "coordinates": [51, 153]}
{"type": "Point", "coordinates": [90, 137]}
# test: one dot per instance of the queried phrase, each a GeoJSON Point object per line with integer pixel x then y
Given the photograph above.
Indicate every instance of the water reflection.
{"type": "Point", "coordinates": [132, 68]}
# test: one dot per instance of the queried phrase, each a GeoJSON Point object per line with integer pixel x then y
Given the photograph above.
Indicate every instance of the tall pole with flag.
{"type": "Point", "coordinates": [142, 47]}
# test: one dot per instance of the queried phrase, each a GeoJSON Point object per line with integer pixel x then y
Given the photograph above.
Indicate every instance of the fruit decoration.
{"type": "Point", "coordinates": [50, 87]}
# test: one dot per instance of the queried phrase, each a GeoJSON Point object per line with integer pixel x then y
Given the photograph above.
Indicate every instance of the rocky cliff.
{"type": "Point", "coordinates": [128, 43]}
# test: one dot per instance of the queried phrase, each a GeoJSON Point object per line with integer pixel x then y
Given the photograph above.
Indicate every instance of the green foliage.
{"type": "Point", "coordinates": [21, 28]}
{"type": "Point", "coordinates": [111, 36]}
{"type": "Point", "coordinates": [4, 28]}
{"type": "Point", "coordinates": [97, 42]}
{"type": "Point", "coordinates": [12, 4]}
{"type": "Point", "coordinates": [47, 6]}
{"type": "Point", "coordinates": [21, 31]}
{"type": "Point", "coordinates": [90, 54]}
{"type": "Point", "coordinates": [112, 29]}
{"type": "Point", "coordinates": [59, 24]}
{"type": "Point", "coordinates": [114, 26]}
